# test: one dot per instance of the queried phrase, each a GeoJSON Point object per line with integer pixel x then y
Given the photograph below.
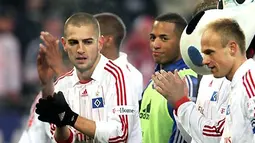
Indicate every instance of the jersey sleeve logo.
{"type": "Point", "coordinates": [214, 96]}
{"type": "Point", "coordinates": [253, 125]}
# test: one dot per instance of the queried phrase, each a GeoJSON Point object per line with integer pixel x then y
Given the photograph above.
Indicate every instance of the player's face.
{"type": "Point", "coordinates": [164, 43]}
{"type": "Point", "coordinates": [83, 46]}
{"type": "Point", "coordinates": [215, 56]}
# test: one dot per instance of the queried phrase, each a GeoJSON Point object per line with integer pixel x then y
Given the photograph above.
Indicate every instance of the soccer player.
{"type": "Point", "coordinates": [113, 38]}
{"type": "Point", "coordinates": [113, 31]}
{"type": "Point", "coordinates": [96, 88]}
{"type": "Point", "coordinates": [211, 103]}
{"type": "Point", "coordinates": [157, 120]}
{"type": "Point", "coordinates": [225, 39]}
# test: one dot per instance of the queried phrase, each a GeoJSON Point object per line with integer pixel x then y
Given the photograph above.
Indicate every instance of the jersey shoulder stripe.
{"type": "Point", "coordinates": [120, 85]}
{"type": "Point", "coordinates": [70, 73]}
{"type": "Point", "coordinates": [248, 83]}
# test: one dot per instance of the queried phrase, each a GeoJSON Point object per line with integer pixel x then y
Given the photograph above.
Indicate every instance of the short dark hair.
{"type": "Point", "coordinates": [178, 20]}
{"type": "Point", "coordinates": [80, 19]}
{"type": "Point", "coordinates": [228, 29]}
{"type": "Point", "coordinates": [111, 24]}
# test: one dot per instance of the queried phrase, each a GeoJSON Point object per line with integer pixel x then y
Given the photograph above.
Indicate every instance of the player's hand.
{"type": "Point", "coordinates": [44, 70]}
{"type": "Point", "coordinates": [54, 109]}
{"type": "Point", "coordinates": [170, 85]}
{"type": "Point", "coordinates": [52, 52]}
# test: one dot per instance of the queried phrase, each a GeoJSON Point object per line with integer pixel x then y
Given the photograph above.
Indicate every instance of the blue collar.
{"type": "Point", "coordinates": [172, 66]}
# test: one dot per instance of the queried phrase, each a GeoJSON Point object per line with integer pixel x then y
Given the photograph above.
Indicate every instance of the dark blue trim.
{"type": "Point", "coordinates": [171, 67]}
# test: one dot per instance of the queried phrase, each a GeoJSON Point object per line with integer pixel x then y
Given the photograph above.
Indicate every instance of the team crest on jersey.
{"type": "Point", "coordinates": [97, 102]}
{"type": "Point", "coordinates": [214, 96]}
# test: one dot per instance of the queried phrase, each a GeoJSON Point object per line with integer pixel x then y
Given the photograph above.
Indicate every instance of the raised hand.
{"type": "Point", "coordinates": [44, 70]}
{"type": "Point", "coordinates": [54, 109]}
{"type": "Point", "coordinates": [53, 55]}
{"type": "Point", "coordinates": [170, 85]}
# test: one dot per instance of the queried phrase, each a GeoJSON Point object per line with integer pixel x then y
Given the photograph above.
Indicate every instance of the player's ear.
{"type": "Point", "coordinates": [233, 47]}
{"type": "Point", "coordinates": [100, 42]}
{"type": "Point", "coordinates": [110, 39]}
{"type": "Point", "coordinates": [63, 41]}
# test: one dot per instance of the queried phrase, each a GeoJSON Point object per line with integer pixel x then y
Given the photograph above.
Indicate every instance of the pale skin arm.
{"type": "Point", "coordinates": [50, 60]}
{"type": "Point", "coordinates": [45, 74]}
{"type": "Point", "coordinates": [50, 63]}
{"type": "Point", "coordinates": [62, 133]}
{"type": "Point", "coordinates": [85, 126]}
{"type": "Point", "coordinates": [47, 89]}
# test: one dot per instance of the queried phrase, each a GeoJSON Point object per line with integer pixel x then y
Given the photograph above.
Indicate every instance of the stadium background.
{"type": "Point", "coordinates": [21, 22]}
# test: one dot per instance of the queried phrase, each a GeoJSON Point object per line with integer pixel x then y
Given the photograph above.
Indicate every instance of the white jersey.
{"type": "Point", "coordinates": [240, 116]}
{"type": "Point", "coordinates": [108, 99]}
{"type": "Point", "coordinates": [135, 74]}
{"type": "Point", "coordinates": [204, 120]}
{"type": "Point", "coordinates": [36, 128]}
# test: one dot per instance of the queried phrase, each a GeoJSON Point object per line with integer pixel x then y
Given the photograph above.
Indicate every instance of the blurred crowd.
{"type": "Point", "coordinates": [21, 22]}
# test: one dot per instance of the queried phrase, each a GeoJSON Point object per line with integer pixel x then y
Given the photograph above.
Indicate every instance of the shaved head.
{"type": "Point", "coordinates": [81, 19]}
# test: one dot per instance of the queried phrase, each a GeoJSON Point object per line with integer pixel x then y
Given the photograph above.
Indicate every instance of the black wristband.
{"type": "Point", "coordinates": [73, 118]}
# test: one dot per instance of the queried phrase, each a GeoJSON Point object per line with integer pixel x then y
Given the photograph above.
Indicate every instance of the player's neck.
{"type": "Point", "coordinates": [162, 66]}
{"type": "Point", "coordinates": [114, 54]}
{"type": "Point", "coordinates": [235, 67]}
{"type": "Point", "coordinates": [86, 75]}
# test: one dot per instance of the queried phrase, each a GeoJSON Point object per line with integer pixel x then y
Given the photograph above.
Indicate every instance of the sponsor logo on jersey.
{"type": "Point", "coordinates": [124, 110]}
{"type": "Point", "coordinates": [84, 93]}
{"type": "Point", "coordinates": [145, 113]}
{"type": "Point", "coordinates": [97, 102]}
